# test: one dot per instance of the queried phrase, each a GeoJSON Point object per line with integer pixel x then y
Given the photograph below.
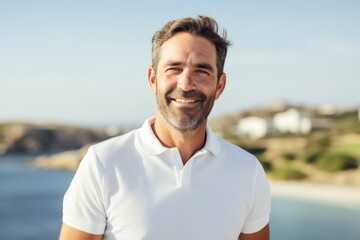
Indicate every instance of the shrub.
{"type": "Point", "coordinates": [289, 156]}
{"type": "Point", "coordinates": [319, 141]}
{"type": "Point", "coordinates": [288, 173]}
{"type": "Point", "coordinates": [311, 157]}
{"type": "Point", "coordinates": [317, 145]}
{"type": "Point", "coordinates": [265, 163]}
{"type": "Point", "coordinates": [332, 162]}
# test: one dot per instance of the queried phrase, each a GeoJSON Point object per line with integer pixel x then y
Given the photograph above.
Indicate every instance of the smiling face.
{"type": "Point", "coordinates": [185, 82]}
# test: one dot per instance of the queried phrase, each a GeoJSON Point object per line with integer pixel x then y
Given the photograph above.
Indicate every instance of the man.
{"type": "Point", "coordinates": [172, 178]}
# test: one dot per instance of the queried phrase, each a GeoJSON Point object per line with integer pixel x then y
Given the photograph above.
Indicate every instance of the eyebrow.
{"type": "Point", "coordinates": [198, 65]}
{"type": "Point", "coordinates": [172, 63]}
{"type": "Point", "coordinates": [204, 66]}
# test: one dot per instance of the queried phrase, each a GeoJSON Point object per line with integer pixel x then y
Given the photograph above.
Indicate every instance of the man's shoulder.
{"type": "Point", "coordinates": [236, 153]}
{"type": "Point", "coordinates": [233, 148]}
{"type": "Point", "coordinates": [115, 145]}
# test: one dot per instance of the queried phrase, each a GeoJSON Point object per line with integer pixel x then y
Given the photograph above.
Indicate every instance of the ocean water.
{"type": "Point", "coordinates": [30, 200]}
{"type": "Point", "coordinates": [296, 219]}
{"type": "Point", "coordinates": [31, 203]}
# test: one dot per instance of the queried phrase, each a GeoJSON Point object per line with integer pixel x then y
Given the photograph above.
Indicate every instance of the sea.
{"type": "Point", "coordinates": [31, 208]}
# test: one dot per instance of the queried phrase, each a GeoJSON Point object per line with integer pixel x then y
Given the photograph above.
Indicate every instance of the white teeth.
{"type": "Point", "coordinates": [185, 100]}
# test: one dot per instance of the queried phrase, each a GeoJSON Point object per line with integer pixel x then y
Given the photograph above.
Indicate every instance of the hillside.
{"type": "Point", "coordinates": [38, 138]}
{"type": "Point", "coordinates": [323, 155]}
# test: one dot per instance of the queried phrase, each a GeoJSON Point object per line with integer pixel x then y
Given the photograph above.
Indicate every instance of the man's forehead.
{"type": "Point", "coordinates": [189, 40]}
{"type": "Point", "coordinates": [185, 47]}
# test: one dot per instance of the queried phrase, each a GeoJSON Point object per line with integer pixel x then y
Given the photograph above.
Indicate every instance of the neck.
{"type": "Point", "coordinates": [187, 142]}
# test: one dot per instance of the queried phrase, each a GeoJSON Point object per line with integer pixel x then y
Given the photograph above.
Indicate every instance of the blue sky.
{"type": "Point", "coordinates": [85, 62]}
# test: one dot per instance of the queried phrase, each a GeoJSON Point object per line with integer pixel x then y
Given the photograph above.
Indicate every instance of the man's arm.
{"type": "Point", "coordinates": [263, 234]}
{"type": "Point", "coordinates": [70, 233]}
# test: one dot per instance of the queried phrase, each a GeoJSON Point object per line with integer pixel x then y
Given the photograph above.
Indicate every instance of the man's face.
{"type": "Point", "coordinates": [185, 82]}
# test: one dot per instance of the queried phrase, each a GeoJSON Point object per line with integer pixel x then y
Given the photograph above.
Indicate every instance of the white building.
{"type": "Point", "coordinates": [292, 121]}
{"type": "Point", "coordinates": [254, 127]}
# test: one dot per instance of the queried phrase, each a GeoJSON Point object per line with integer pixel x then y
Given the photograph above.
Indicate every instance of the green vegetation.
{"type": "Point", "coordinates": [265, 163]}
{"type": "Point", "coordinates": [288, 173]}
{"type": "Point", "coordinates": [289, 156]}
{"type": "Point", "coordinates": [330, 157]}
{"type": "Point", "coordinates": [332, 146]}
{"type": "Point", "coordinates": [318, 141]}
{"type": "Point", "coordinates": [312, 156]}
{"type": "Point", "coordinates": [347, 122]}
{"type": "Point", "coordinates": [333, 162]}
{"type": "Point", "coordinates": [347, 148]}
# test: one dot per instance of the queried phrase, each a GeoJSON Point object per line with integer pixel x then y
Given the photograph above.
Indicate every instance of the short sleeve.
{"type": "Point", "coordinates": [83, 202]}
{"type": "Point", "coordinates": [259, 213]}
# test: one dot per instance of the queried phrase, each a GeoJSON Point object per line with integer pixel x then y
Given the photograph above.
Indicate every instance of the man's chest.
{"type": "Point", "coordinates": [166, 211]}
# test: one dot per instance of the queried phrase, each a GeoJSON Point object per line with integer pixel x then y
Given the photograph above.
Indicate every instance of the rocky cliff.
{"type": "Point", "coordinates": [31, 138]}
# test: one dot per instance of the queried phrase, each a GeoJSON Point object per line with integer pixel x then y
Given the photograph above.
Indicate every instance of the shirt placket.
{"type": "Point", "coordinates": [182, 172]}
{"type": "Point", "coordinates": [177, 166]}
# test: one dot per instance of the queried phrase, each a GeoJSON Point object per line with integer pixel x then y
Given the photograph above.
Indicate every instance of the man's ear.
{"type": "Point", "coordinates": [152, 79]}
{"type": "Point", "coordinates": [221, 86]}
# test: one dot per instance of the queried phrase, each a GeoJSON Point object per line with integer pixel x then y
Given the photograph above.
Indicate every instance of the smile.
{"type": "Point", "coordinates": [181, 100]}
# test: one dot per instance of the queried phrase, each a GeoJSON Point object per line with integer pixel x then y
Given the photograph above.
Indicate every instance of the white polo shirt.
{"type": "Point", "coordinates": [132, 187]}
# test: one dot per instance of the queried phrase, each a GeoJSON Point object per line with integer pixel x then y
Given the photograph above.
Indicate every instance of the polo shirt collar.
{"type": "Point", "coordinates": [152, 145]}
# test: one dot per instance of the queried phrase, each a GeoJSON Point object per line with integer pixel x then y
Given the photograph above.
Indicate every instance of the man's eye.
{"type": "Point", "coordinates": [174, 69]}
{"type": "Point", "coordinates": [200, 71]}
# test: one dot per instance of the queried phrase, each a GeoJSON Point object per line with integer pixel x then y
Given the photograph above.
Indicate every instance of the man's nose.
{"type": "Point", "coordinates": [186, 81]}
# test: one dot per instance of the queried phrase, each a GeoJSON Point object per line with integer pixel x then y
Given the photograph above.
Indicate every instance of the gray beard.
{"type": "Point", "coordinates": [189, 120]}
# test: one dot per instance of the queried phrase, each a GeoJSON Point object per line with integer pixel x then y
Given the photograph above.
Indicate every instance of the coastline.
{"type": "Point", "coordinates": [323, 193]}
{"type": "Point", "coordinates": [342, 195]}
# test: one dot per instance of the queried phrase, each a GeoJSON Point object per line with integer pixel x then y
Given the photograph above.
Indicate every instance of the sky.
{"type": "Point", "coordinates": [85, 62]}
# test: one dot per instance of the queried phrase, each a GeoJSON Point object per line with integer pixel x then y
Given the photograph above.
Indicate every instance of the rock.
{"type": "Point", "coordinates": [68, 160]}
{"type": "Point", "coordinates": [27, 138]}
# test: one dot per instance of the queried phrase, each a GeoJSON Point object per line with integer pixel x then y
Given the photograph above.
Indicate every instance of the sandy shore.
{"type": "Point", "coordinates": [340, 195]}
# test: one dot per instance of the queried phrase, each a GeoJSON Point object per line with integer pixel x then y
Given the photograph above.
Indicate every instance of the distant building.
{"type": "Point", "coordinates": [254, 127]}
{"type": "Point", "coordinates": [292, 121]}
{"type": "Point", "coordinates": [277, 106]}
{"type": "Point", "coordinates": [321, 124]}
{"type": "Point", "coordinates": [329, 110]}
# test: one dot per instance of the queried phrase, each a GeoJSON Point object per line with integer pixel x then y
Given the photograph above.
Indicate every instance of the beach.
{"type": "Point", "coordinates": [339, 195]}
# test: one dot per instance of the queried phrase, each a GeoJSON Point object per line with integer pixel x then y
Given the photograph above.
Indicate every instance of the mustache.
{"type": "Point", "coordinates": [178, 93]}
